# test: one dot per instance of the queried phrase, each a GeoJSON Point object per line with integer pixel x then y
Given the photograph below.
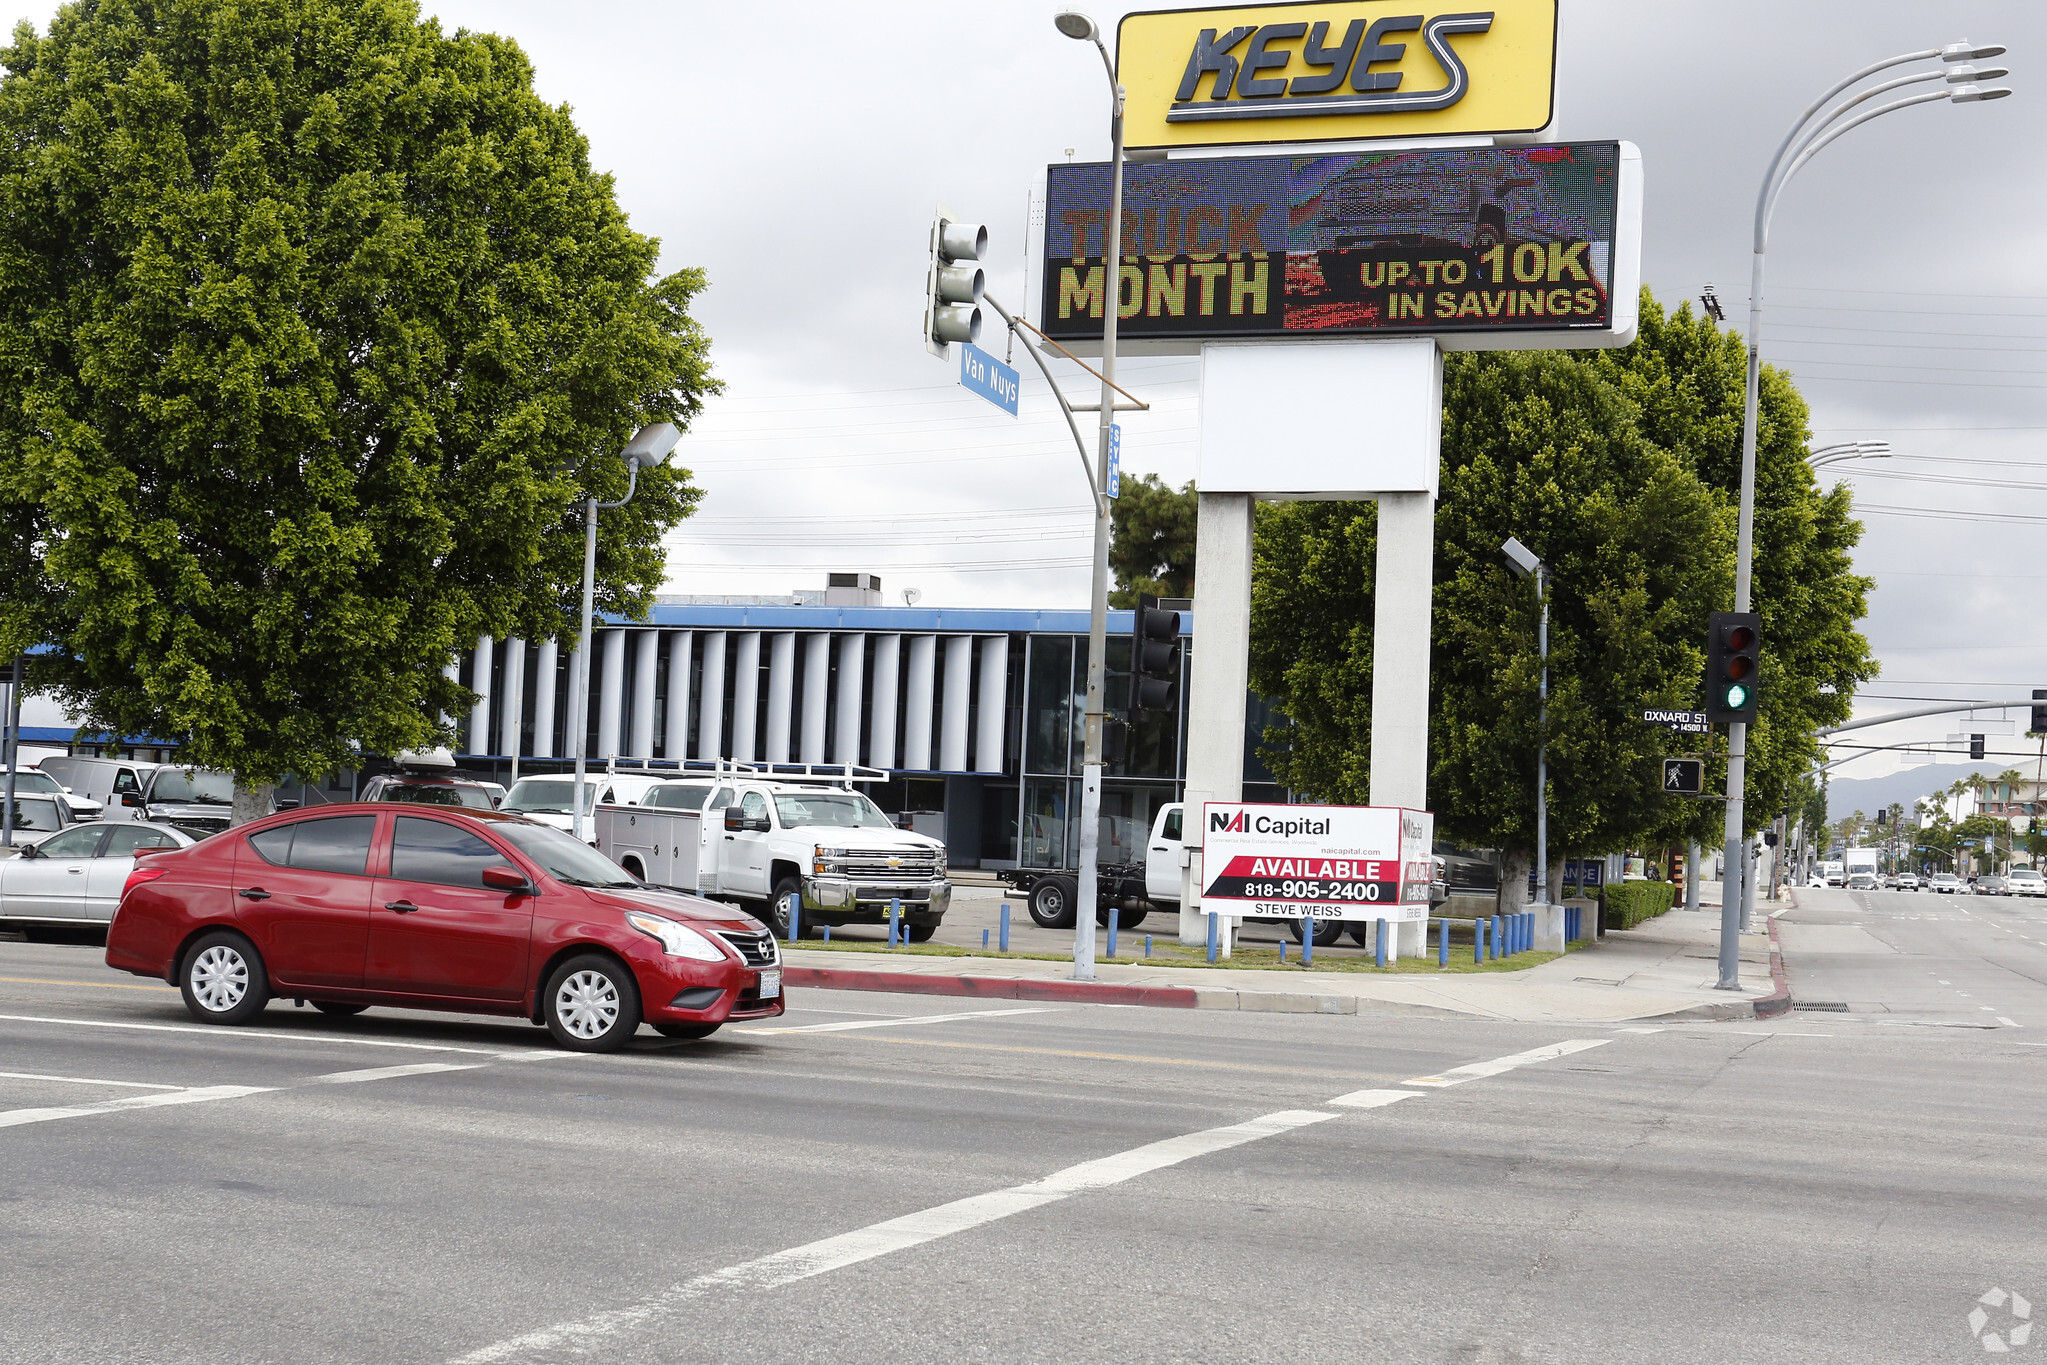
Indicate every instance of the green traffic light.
{"type": "Point", "coordinates": [1737, 696]}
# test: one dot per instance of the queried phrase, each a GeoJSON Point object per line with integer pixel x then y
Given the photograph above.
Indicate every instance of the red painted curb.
{"type": "Point", "coordinates": [1779, 1002]}
{"type": "Point", "coordinates": [990, 987]}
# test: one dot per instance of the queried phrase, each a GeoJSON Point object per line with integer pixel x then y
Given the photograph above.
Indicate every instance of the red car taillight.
{"type": "Point", "coordinates": [141, 875]}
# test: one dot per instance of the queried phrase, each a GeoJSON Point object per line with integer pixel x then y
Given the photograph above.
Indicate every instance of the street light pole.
{"type": "Point", "coordinates": [1961, 88]}
{"type": "Point", "coordinates": [1079, 26]}
{"type": "Point", "coordinates": [1524, 563]}
{"type": "Point", "coordinates": [650, 446]}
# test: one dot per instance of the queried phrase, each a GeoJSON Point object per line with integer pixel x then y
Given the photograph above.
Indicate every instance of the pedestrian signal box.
{"type": "Point", "coordinates": [1684, 776]}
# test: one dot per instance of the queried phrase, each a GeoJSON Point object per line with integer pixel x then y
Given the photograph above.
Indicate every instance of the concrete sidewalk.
{"type": "Point", "coordinates": [1664, 969]}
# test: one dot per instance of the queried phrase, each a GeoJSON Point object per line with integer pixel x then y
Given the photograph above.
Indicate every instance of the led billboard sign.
{"type": "Point", "coordinates": [1485, 241]}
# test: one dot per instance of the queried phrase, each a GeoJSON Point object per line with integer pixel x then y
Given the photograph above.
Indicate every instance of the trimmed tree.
{"type": "Point", "coordinates": [1152, 545]}
{"type": "Point", "coordinates": [316, 327]}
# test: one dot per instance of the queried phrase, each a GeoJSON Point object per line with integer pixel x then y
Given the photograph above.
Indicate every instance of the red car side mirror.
{"type": "Point", "coordinates": [506, 879]}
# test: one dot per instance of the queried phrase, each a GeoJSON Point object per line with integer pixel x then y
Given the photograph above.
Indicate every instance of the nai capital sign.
{"type": "Point", "coordinates": [1308, 72]}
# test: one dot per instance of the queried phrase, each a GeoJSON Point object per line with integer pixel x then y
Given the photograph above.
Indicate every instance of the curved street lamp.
{"type": "Point", "coordinates": [1959, 83]}
{"type": "Point", "coordinates": [651, 445]}
{"type": "Point", "coordinates": [1081, 28]}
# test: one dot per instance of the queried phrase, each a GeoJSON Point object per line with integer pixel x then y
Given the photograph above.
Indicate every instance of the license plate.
{"type": "Point", "coordinates": [771, 985]}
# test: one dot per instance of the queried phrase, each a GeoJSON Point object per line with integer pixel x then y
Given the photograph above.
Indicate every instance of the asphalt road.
{"type": "Point", "coordinates": [876, 1178]}
{"type": "Point", "coordinates": [1917, 959]}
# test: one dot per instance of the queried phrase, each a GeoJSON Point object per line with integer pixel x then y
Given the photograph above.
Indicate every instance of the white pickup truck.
{"type": "Point", "coordinates": [762, 844]}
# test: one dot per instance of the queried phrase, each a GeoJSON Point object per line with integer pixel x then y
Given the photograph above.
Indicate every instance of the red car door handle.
{"type": "Point", "coordinates": [402, 907]}
{"type": "Point", "coordinates": [255, 893]}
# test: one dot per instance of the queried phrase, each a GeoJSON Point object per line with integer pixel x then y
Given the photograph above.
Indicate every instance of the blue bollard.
{"type": "Point", "coordinates": [828, 933]}
{"type": "Point", "coordinates": [1307, 940]}
{"type": "Point", "coordinates": [1211, 935]}
{"type": "Point", "coordinates": [1005, 926]}
{"type": "Point", "coordinates": [1499, 935]}
{"type": "Point", "coordinates": [1477, 941]}
{"type": "Point", "coordinates": [1443, 945]}
{"type": "Point", "coordinates": [1379, 943]}
{"type": "Point", "coordinates": [1282, 952]}
{"type": "Point", "coordinates": [1114, 915]}
{"type": "Point", "coordinates": [984, 940]}
{"type": "Point", "coordinates": [796, 917]}
{"type": "Point", "coordinates": [1147, 945]}
{"type": "Point", "coordinates": [895, 922]}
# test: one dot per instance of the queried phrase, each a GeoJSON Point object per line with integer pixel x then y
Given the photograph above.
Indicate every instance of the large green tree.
{"type": "Point", "coordinates": [1616, 469]}
{"type": "Point", "coordinates": [316, 326]}
{"type": "Point", "coordinates": [1152, 549]}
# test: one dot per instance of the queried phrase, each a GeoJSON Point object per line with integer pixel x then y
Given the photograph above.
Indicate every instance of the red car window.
{"type": "Point", "coordinates": [334, 843]}
{"type": "Point", "coordinates": [435, 851]}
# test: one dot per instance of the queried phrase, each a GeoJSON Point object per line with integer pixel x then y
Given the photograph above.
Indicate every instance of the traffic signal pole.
{"type": "Point", "coordinates": [1960, 85]}
{"type": "Point", "coordinates": [1098, 587]}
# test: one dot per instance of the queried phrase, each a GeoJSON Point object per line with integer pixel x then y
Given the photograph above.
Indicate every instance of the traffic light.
{"type": "Point", "coordinates": [952, 290]}
{"type": "Point", "coordinates": [1734, 640]}
{"type": "Point", "coordinates": [1975, 746]}
{"type": "Point", "coordinates": [2039, 725]}
{"type": "Point", "coordinates": [1115, 741]}
{"type": "Point", "coordinates": [1154, 649]}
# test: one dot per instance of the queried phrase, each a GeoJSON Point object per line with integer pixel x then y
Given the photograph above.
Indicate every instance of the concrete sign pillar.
{"type": "Point", "coordinates": [1218, 679]}
{"type": "Point", "coordinates": [1321, 420]}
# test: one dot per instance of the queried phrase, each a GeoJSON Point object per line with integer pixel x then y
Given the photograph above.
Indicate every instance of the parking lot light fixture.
{"type": "Point", "coordinates": [1526, 564]}
{"type": "Point", "coordinates": [650, 446]}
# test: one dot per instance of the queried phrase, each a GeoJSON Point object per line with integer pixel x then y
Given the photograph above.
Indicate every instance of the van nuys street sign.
{"type": "Point", "coordinates": [983, 374]}
{"type": "Point", "coordinates": [1317, 862]}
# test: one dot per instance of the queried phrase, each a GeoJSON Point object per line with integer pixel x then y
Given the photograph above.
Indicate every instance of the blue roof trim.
{"type": "Point", "coordinates": [64, 734]}
{"type": "Point", "coordinates": [889, 620]}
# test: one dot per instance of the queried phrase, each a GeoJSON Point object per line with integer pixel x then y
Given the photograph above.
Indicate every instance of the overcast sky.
{"type": "Point", "coordinates": [795, 152]}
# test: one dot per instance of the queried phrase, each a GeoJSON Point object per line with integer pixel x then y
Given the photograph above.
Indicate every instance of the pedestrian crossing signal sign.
{"type": "Point", "coordinates": [1684, 776]}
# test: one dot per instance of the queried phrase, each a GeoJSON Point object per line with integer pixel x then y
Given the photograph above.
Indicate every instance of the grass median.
{"type": "Point", "coordinates": [1196, 958]}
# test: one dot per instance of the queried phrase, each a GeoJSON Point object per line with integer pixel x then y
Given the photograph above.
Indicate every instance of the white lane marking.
{"type": "Point", "coordinates": [1991, 1009]}
{"type": "Point", "coordinates": [1945, 983]}
{"type": "Point", "coordinates": [84, 1080]}
{"type": "Point", "coordinates": [895, 1234]}
{"type": "Point", "coordinates": [216, 1031]}
{"type": "Point", "coordinates": [843, 1026]}
{"type": "Point", "coordinates": [15, 1117]}
{"type": "Point", "coordinates": [543, 1055]}
{"type": "Point", "coordinates": [1373, 1099]}
{"type": "Point", "coordinates": [1478, 1070]}
{"type": "Point", "coordinates": [1640, 1030]}
{"type": "Point", "coordinates": [2008, 1023]}
{"type": "Point", "coordinates": [386, 1073]}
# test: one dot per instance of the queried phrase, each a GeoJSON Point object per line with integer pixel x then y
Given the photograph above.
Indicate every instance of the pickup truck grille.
{"type": "Point", "coordinates": [876, 866]}
{"type": "Point", "coordinates": [755, 949]}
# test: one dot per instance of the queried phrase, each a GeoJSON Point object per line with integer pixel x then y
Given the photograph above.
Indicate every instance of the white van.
{"type": "Point", "coordinates": [552, 799]}
{"type": "Point", "coordinates": [105, 780]}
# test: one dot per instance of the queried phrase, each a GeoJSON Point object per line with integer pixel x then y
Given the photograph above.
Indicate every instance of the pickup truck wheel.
{"type": "Point", "coordinates": [1360, 934]}
{"type": "Point", "coordinates": [1051, 903]}
{"type": "Point", "coordinates": [920, 933]}
{"type": "Point", "coordinates": [1328, 932]}
{"type": "Point", "coordinates": [787, 899]}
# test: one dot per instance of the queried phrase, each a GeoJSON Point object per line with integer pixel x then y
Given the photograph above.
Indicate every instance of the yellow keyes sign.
{"type": "Point", "coordinates": [1309, 72]}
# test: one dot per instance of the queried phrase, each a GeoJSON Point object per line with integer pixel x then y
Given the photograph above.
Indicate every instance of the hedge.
{"type": "Point", "coordinates": [1631, 903]}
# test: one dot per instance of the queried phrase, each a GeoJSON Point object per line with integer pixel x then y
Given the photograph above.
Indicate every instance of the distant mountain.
{"type": "Point", "coordinates": [1846, 795]}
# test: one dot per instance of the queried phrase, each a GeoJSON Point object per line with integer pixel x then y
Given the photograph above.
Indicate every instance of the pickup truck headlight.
{"type": "Point", "coordinates": [676, 941]}
{"type": "Point", "coordinates": [826, 860]}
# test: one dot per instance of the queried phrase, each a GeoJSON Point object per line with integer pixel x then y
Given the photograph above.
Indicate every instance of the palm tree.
{"type": "Point", "coordinates": [2009, 779]}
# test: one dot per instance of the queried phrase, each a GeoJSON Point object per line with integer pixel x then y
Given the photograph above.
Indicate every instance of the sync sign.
{"type": "Point", "coordinates": [1367, 69]}
{"type": "Point", "coordinates": [1478, 240]}
{"type": "Point", "coordinates": [983, 374]}
{"type": "Point", "coordinates": [1317, 862]}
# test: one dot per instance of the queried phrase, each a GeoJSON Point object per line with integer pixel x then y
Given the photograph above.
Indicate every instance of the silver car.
{"type": "Point", "coordinates": [75, 875]}
{"type": "Point", "coordinates": [2025, 881]}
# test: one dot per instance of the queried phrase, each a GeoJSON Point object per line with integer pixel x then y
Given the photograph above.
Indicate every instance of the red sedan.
{"type": "Point", "coordinates": [440, 909]}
